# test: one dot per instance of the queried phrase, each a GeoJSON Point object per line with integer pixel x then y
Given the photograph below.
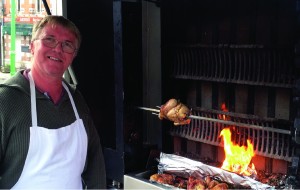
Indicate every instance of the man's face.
{"type": "Point", "coordinates": [49, 60]}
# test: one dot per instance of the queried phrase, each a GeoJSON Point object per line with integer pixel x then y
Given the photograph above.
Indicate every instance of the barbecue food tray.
{"type": "Point", "coordinates": [184, 167]}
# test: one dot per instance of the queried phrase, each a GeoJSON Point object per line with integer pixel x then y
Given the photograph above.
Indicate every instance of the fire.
{"type": "Point", "coordinates": [223, 108]}
{"type": "Point", "coordinates": [237, 158]}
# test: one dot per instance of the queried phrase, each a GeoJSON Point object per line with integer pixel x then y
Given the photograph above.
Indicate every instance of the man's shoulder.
{"type": "Point", "coordinates": [14, 88]}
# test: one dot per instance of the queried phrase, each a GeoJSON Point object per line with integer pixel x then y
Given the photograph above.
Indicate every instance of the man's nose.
{"type": "Point", "coordinates": [59, 46]}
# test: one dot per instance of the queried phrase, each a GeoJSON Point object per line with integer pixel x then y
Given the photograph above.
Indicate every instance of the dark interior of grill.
{"type": "Point", "coordinates": [241, 54]}
{"type": "Point", "coordinates": [244, 54]}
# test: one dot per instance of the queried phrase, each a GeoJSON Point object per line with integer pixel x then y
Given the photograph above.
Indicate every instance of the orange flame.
{"type": "Point", "coordinates": [237, 158]}
{"type": "Point", "coordinates": [223, 108]}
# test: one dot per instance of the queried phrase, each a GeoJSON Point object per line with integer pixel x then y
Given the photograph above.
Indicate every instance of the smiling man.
{"type": "Point", "coordinates": [48, 139]}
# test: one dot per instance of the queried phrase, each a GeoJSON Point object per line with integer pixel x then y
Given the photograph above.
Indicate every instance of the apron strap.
{"type": "Point", "coordinates": [71, 99]}
{"type": "Point", "coordinates": [33, 101]}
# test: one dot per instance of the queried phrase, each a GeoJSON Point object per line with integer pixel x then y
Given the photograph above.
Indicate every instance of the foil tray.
{"type": "Point", "coordinates": [186, 167]}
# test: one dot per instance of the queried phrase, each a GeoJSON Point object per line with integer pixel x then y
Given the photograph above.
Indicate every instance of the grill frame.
{"type": "Point", "coordinates": [232, 63]}
{"type": "Point", "coordinates": [261, 131]}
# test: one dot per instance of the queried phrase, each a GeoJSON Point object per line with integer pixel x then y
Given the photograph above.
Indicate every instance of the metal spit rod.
{"type": "Point", "coordinates": [282, 131]}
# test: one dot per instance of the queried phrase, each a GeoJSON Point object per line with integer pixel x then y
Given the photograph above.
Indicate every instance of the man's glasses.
{"type": "Point", "coordinates": [66, 46]}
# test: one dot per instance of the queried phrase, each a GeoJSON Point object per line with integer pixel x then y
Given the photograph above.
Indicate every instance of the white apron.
{"type": "Point", "coordinates": [55, 158]}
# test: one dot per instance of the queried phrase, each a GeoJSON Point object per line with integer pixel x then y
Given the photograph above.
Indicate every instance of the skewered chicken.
{"type": "Point", "coordinates": [175, 111]}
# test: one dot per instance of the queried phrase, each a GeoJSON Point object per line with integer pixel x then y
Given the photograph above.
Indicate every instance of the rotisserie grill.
{"type": "Point", "coordinates": [268, 138]}
{"type": "Point", "coordinates": [235, 66]}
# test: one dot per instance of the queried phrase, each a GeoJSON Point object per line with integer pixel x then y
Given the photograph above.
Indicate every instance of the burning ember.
{"type": "Point", "coordinates": [237, 158]}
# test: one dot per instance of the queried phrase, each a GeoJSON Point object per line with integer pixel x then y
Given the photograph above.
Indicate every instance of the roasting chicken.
{"type": "Point", "coordinates": [175, 111]}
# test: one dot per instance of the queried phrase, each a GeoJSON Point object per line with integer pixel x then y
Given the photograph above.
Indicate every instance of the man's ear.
{"type": "Point", "coordinates": [75, 53]}
{"type": "Point", "coordinates": [31, 47]}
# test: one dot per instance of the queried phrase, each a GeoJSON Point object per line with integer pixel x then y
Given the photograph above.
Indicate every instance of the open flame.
{"type": "Point", "coordinates": [237, 158]}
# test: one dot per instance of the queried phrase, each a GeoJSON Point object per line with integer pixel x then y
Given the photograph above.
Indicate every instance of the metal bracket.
{"type": "Point", "coordinates": [296, 137]}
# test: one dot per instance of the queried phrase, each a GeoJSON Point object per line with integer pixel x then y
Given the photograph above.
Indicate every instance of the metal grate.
{"type": "Point", "coordinates": [269, 136]}
{"type": "Point", "coordinates": [246, 64]}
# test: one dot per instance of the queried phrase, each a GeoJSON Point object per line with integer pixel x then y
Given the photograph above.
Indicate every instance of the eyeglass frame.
{"type": "Point", "coordinates": [63, 43]}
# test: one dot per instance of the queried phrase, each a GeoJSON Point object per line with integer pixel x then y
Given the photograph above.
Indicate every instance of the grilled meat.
{"type": "Point", "coordinates": [192, 183]}
{"type": "Point", "coordinates": [175, 111]}
{"type": "Point", "coordinates": [162, 178]}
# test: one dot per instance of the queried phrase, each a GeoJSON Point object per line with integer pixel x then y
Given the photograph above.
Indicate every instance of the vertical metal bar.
{"type": "Point", "coordinates": [213, 63]}
{"type": "Point", "coordinates": [250, 67]}
{"type": "Point", "coordinates": [198, 62]}
{"type": "Point", "coordinates": [270, 139]}
{"type": "Point", "coordinates": [208, 63]}
{"type": "Point", "coordinates": [177, 62]}
{"type": "Point", "coordinates": [263, 66]}
{"type": "Point", "coordinates": [194, 62]}
{"type": "Point", "coordinates": [189, 65]}
{"type": "Point", "coordinates": [244, 64]}
{"type": "Point", "coordinates": [225, 63]}
{"type": "Point", "coordinates": [240, 64]}
{"type": "Point", "coordinates": [193, 130]}
{"type": "Point", "coordinates": [269, 64]}
{"type": "Point", "coordinates": [263, 139]}
{"type": "Point", "coordinates": [216, 63]}
{"type": "Point", "coordinates": [275, 67]}
{"type": "Point", "coordinates": [256, 63]}
{"type": "Point", "coordinates": [230, 64]}
{"type": "Point", "coordinates": [184, 62]}
{"type": "Point", "coordinates": [281, 148]}
{"type": "Point", "coordinates": [218, 58]}
{"type": "Point", "coordinates": [118, 68]}
{"type": "Point", "coordinates": [199, 123]}
{"type": "Point", "coordinates": [271, 146]}
{"type": "Point", "coordinates": [46, 7]}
